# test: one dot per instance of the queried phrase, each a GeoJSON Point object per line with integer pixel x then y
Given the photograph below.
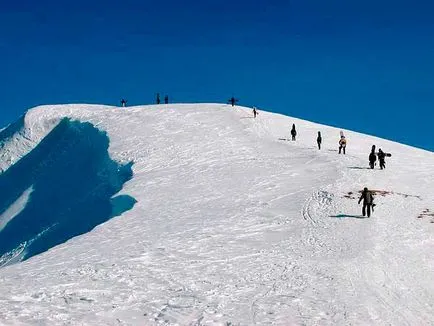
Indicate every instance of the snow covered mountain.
{"type": "Point", "coordinates": [198, 214]}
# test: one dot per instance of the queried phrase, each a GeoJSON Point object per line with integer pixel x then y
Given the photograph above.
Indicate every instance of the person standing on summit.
{"type": "Point", "coordinates": [232, 101]}
{"type": "Point", "coordinates": [293, 132]}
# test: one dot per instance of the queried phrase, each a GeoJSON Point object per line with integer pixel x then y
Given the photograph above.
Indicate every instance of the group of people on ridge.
{"type": "Point", "coordinates": [342, 141]}
{"type": "Point", "coordinates": [157, 100]}
{"type": "Point", "coordinates": [367, 196]}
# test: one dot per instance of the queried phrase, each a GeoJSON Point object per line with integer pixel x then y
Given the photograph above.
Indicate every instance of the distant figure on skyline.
{"type": "Point", "coordinates": [232, 101]}
{"type": "Point", "coordinates": [124, 103]}
{"type": "Point", "coordinates": [319, 140]}
{"type": "Point", "coordinates": [255, 113]}
{"type": "Point", "coordinates": [166, 99]}
{"type": "Point", "coordinates": [158, 101]}
{"type": "Point", "coordinates": [293, 132]}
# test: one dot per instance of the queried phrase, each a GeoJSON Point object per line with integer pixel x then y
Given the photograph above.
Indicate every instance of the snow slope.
{"type": "Point", "coordinates": [233, 226]}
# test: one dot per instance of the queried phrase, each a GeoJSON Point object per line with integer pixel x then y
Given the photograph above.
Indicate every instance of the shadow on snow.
{"type": "Point", "coordinates": [359, 168]}
{"type": "Point", "coordinates": [347, 215]}
{"type": "Point", "coordinates": [61, 189]}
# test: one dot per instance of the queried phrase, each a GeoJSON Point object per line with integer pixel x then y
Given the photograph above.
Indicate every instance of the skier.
{"type": "Point", "coordinates": [293, 131]}
{"type": "Point", "coordinates": [232, 101]}
{"type": "Point", "coordinates": [166, 99]}
{"type": "Point", "coordinates": [368, 202]}
{"type": "Point", "coordinates": [158, 98]}
{"type": "Point", "coordinates": [342, 144]}
{"type": "Point", "coordinates": [319, 140]}
{"type": "Point", "coordinates": [124, 103]}
{"type": "Point", "coordinates": [255, 113]}
{"type": "Point", "coordinates": [381, 157]}
{"type": "Point", "coordinates": [372, 157]}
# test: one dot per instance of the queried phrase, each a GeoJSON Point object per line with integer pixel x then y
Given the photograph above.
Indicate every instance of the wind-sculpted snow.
{"type": "Point", "coordinates": [232, 224]}
{"type": "Point", "coordinates": [61, 189]}
{"type": "Point", "coordinates": [7, 136]}
{"type": "Point", "coordinates": [9, 131]}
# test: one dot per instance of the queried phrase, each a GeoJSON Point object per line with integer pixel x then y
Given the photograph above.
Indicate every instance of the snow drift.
{"type": "Point", "coordinates": [60, 189]}
{"type": "Point", "coordinates": [232, 224]}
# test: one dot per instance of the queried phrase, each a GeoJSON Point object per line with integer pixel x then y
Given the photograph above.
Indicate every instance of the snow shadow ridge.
{"type": "Point", "coordinates": [61, 189]}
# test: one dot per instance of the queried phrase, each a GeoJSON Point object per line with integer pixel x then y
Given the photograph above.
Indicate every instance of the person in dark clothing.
{"type": "Point", "coordinates": [124, 103]}
{"type": "Point", "coordinates": [293, 131]}
{"type": "Point", "coordinates": [372, 157]}
{"type": "Point", "coordinates": [232, 101]}
{"type": "Point", "coordinates": [381, 159]}
{"type": "Point", "coordinates": [368, 201]}
{"type": "Point", "coordinates": [342, 144]}
{"type": "Point", "coordinates": [158, 101]}
{"type": "Point", "coordinates": [166, 99]}
{"type": "Point", "coordinates": [255, 113]}
{"type": "Point", "coordinates": [319, 140]}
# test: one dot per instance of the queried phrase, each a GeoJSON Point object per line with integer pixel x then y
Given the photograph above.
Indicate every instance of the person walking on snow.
{"type": "Point", "coordinates": [342, 144]}
{"type": "Point", "coordinates": [124, 103]}
{"type": "Point", "coordinates": [158, 98]}
{"type": "Point", "coordinates": [319, 140]}
{"type": "Point", "coordinates": [372, 157]}
{"type": "Point", "coordinates": [368, 202]}
{"type": "Point", "coordinates": [255, 113]}
{"type": "Point", "coordinates": [381, 157]}
{"type": "Point", "coordinates": [293, 131]}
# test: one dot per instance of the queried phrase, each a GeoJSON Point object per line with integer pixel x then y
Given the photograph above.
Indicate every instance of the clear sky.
{"type": "Point", "coordinates": [361, 65]}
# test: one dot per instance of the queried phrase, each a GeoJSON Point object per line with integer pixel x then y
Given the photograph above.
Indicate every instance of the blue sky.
{"type": "Point", "coordinates": [361, 65]}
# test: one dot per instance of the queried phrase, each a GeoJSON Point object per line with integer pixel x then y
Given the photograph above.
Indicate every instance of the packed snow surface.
{"type": "Point", "coordinates": [232, 225]}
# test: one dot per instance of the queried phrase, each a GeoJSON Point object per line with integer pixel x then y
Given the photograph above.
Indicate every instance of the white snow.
{"type": "Point", "coordinates": [14, 209]}
{"type": "Point", "coordinates": [233, 226]}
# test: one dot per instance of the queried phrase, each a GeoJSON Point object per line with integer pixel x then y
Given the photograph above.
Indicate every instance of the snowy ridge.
{"type": "Point", "coordinates": [19, 138]}
{"type": "Point", "coordinates": [234, 226]}
{"type": "Point", "coordinates": [65, 184]}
